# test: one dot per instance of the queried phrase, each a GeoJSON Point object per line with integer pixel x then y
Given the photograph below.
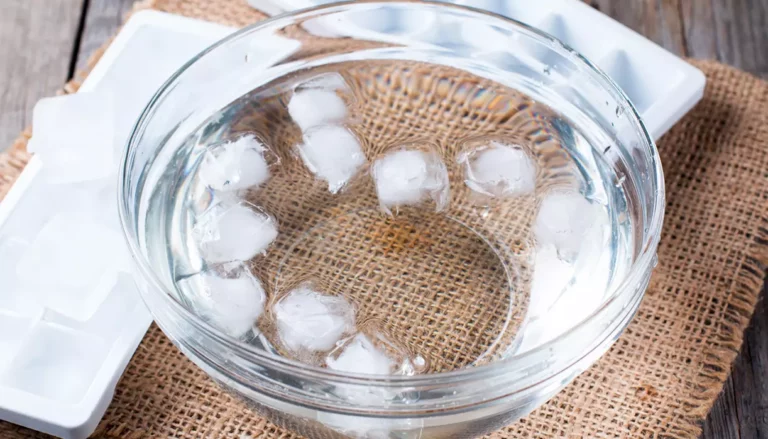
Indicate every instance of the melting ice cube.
{"type": "Point", "coordinates": [74, 137]}
{"type": "Point", "coordinates": [499, 171]}
{"type": "Point", "coordinates": [234, 233]}
{"type": "Point", "coordinates": [235, 165]}
{"type": "Point", "coordinates": [362, 356]}
{"type": "Point", "coordinates": [310, 321]}
{"type": "Point", "coordinates": [333, 154]}
{"type": "Point", "coordinates": [228, 295]}
{"type": "Point", "coordinates": [316, 102]}
{"type": "Point", "coordinates": [408, 177]}
{"type": "Point", "coordinates": [314, 107]}
{"type": "Point", "coordinates": [565, 220]}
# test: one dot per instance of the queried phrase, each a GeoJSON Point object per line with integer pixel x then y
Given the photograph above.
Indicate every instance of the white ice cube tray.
{"type": "Point", "coordinates": [662, 86]}
{"type": "Point", "coordinates": [58, 372]}
{"type": "Point", "coordinates": [42, 353]}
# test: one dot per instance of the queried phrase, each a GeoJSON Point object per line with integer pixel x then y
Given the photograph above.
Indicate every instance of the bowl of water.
{"type": "Point", "coordinates": [392, 219]}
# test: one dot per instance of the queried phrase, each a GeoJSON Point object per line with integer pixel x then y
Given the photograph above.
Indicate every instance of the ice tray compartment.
{"type": "Point", "coordinates": [55, 362]}
{"type": "Point", "coordinates": [661, 86]}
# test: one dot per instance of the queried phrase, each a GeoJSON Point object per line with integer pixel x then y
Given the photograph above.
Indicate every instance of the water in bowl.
{"type": "Point", "coordinates": [393, 217]}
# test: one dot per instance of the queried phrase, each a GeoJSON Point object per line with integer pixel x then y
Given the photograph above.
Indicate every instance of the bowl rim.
{"type": "Point", "coordinates": [641, 266]}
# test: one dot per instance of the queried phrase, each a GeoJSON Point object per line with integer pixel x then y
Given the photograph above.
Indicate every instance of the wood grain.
{"type": "Point", "coordinates": [37, 38]}
{"type": "Point", "coordinates": [742, 409]}
{"type": "Point", "coordinates": [103, 18]}
{"type": "Point", "coordinates": [698, 26]}
{"type": "Point", "coordinates": [658, 20]}
{"type": "Point", "coordinates": [41, 40]}
{"type": "Point", "coordinates": [732, 31]}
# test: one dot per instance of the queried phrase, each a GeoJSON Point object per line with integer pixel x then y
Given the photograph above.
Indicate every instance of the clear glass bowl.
{"type": "Point", "coordinates": [414, 74]}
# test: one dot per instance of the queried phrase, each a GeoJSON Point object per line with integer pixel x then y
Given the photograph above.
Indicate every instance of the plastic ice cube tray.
{"type": "Point", "coordinates": [42, 354]}
{"type": "Point", "coordinates": [662, 86]}
{"type": "Point", "coordinates": [58, 374]}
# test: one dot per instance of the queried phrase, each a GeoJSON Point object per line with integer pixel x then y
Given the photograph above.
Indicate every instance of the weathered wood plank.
{"type": "Point", "coordinates": [658, 20]}
{"type": "Point", "coordinates": [736, 32]}
{"type": "Point", "coordinates": [742, 409]}
{"type": "Point", "coordinates": [732, 31]}
{"type": "Point", "coordinates": [36, 44]}
{"type": "Point", "coordinates": [698, 24]}
{"type": "Point", "coordinates": [37, 38]}
{"type": "Point", "coordinates": [722, 422]}
{"type": "Point", "coordinates": [103, 18]}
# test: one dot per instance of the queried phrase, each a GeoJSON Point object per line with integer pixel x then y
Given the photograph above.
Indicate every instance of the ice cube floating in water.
{"type": "Point", "coordinates": [70, 313]}
{"type": "Point", "coordinates": [409, 177]}
{"type": "Point", "coordinates": [235, 165]}
{"type": "Point", "coordinates": [323, 92]}
{"type": "Point", "coordinates": [235, 232]}
{"type": "Point", "coordinates": [499, 170]}
{"type": "Point", "coordinates": [309, 321]}
{"type": "Point", "coordinates": [228, 296]}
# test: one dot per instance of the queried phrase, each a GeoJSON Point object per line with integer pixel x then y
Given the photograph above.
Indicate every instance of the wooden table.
{"type": "Point", "coordinates": [43, 42]}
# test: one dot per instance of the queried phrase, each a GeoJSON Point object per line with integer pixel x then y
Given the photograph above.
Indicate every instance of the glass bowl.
{"type": "Point", "coordinates": [478, 201]}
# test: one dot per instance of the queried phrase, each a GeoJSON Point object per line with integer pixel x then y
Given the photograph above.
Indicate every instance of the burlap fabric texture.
{"type": "Point", "coordinates": [664, 373]}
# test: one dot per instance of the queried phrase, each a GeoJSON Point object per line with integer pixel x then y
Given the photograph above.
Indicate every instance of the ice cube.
{"type": "Point", "coordinates": [228, 296]}
{"type": "Point", "coordinates": [308, 320]}
{"type": "Point", "coordinates": [333, 154]}
{"type": "Point", "coordinates": [56, 363]}
{"type": "Point", "coordinates": [71, 264]}
{"type": "Point", "coordinates": [565, 293]}
{"type": "Point", "coordinates": [315, 107]}
{"type": "Point", "coordinates": [234, 233]}
{"type": "Point", "coordinates": [500, 170]}
{"type": "Point", "coordinates": [74, 136]}
{"type": "Point", "coordinates": [361, 356]}
{"type": "Point", "coordinates": [42, 200]}
{"type": "Point", "coordinates": [409, 177]}
{"type": "Point", "coordinates": [111, 317]}
{"type": "Point", "coordinates": [235, 165]}
{"type": "Point", "coordinates": [565, 220]}
{"type": "Point", "coordinates": [133, 84]}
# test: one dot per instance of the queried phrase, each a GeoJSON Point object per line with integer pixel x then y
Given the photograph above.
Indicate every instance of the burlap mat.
{"type": "Point", "coordinates": [664, 373]}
